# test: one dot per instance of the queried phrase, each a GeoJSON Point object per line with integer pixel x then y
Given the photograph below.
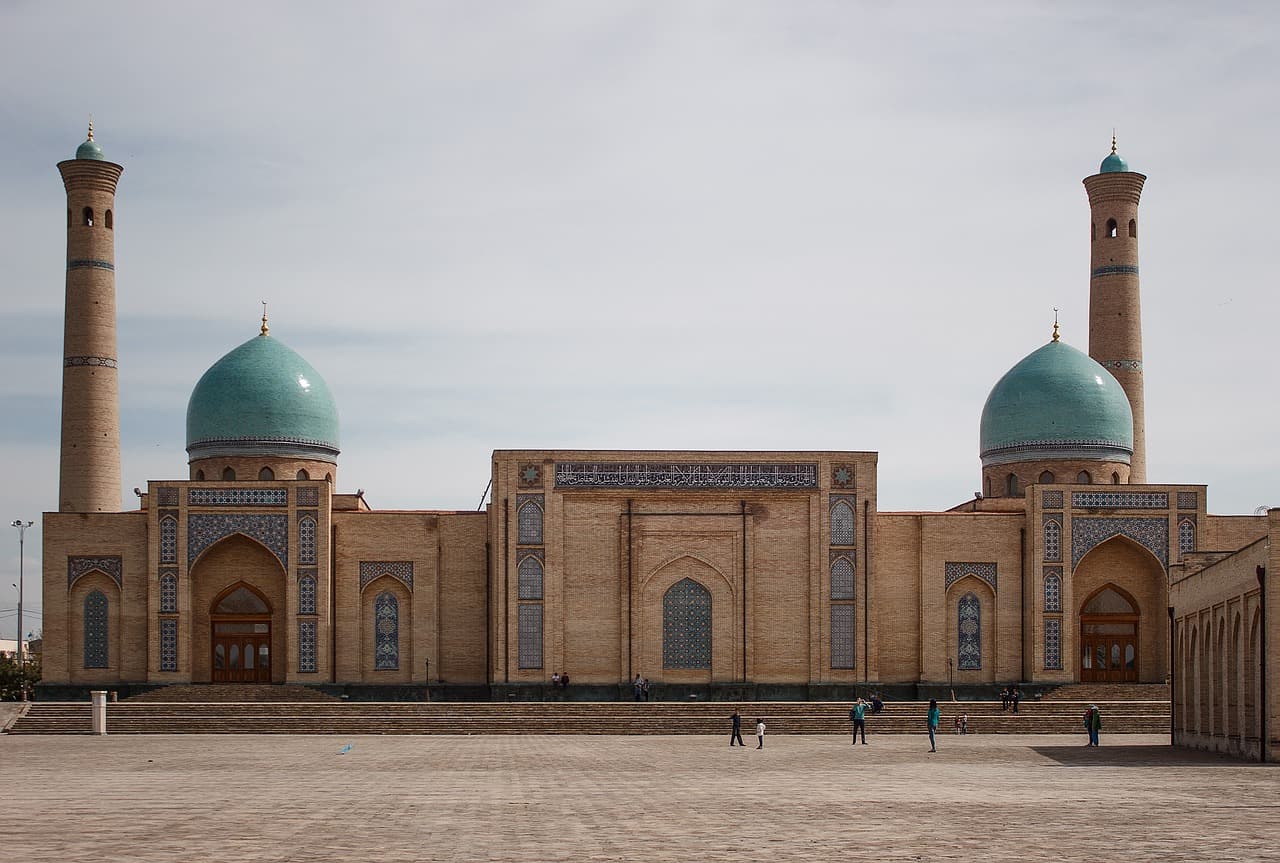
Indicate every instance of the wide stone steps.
{"type": "Point", "coordinates": [134, 717]}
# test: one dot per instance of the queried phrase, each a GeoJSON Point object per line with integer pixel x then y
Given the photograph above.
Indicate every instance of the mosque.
{"type": "Point", "coordinates": [726, 574]}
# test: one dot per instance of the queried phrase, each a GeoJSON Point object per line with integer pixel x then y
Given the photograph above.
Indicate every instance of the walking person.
{"type": "Point", "coordinates": [1015, 696]}
{"type": "Point", "coordinates": [859, 716]}
{"type": "Point", "coordinates": [760, 732]}
{"type": "Point", "coordinates": [935, 716]}
{"type": "Point", "coordinates": [735, 735]}
{"type": "Point", "coordinates": [1093, 722]}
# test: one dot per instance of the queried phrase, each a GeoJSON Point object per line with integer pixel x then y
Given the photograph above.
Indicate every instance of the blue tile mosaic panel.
{"type": "Point", "coordinates": [1188, 500]}
{"type": "Point", "coordinates": [401, 569]}
{"type": "Point", "coordinates": [1088, 533]}
{"type": "Point", "coordinates": [307, 594]}
{"type": "Point", "coordinates": [969, 633]}
{"type": "Point", "coordinates": [842, 572]}
{"type": "Point", "coordinates": [675, 476]}
{"type": "Point", "coordinates": [842, 623]}
{"type": "Point", "coordinates": [169, 539]}
{"type": "Point", "coordinates": [686, 626]}
{"type": "Point", "coordinates": [167, 495]}
{"type": "Point", "coordinates": [169, 644]}
{"type": "Point", "coordinates": [529, 636]}
{"type": "Point", "coordinates": [529, 578]}
{"type": "Point", "coordinates": [306, 645]}
{"type": "Point", "coordinates": [1186, 536]}
{"type": "Point", "coordinates": [97, 652]}
{"type": "Point", "coordinates": [307, 540]}
{"type": "Point", "coordinates": [1120, 499]}
{"type": "Point", "coordinates": [386, 632]}
{"type": "Point", "coordinates": [1053, 588]}
{"type": "Point", "coordinates": [1053, 644]}
{"type": "Point", "coordinates": [308, 495]}
{"type": "Point", "coordinates": [954, 571]}
{"type": "Point", "coordinates": [1052, 500]}
{"type": "Point", "coordinates": [270, 530]}
{"type": "Point", "coordinates": [529, 519]}
{"type": "Point", "coordinates": [842, 475]}
{"type": "Point", "coordinates": [1052, 539]}
{"type": "Point", "coordinates": [842, 522]}
{"type": "Point", "coordinates": [109, 566]}
{"type": "Point", "coordinates": [238, 497]}
{"type": "Point", "coordinates": [168, 593]}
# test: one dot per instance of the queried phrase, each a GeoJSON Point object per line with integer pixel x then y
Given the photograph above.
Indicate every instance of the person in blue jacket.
{"type": "Point", "coordinates": [935, 716]}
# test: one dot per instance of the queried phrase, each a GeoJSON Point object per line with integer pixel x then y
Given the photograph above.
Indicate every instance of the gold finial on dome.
{"type": "Point", "coordinates": [1055, 325]}
{"type": "Point", "coordinates": [266, 331]}
{"type": "Point", "coordinates": [90, 127]}
{"type": "Point", "coordinates": [1113, 142]}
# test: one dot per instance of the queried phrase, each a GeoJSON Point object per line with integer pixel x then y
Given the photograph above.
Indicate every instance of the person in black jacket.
{"type": "Point", "coordinates": [736, 733]}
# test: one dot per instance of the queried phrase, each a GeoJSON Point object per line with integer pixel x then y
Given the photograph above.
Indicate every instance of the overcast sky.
{"type": "Point", "coordinates": [704, 225]}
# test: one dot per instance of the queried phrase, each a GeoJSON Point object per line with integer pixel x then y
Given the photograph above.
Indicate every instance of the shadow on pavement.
{"type": "Point", "coordinates": [1124, 755]}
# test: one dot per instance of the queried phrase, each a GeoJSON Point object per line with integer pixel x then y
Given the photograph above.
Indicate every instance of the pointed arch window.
{"type": "Point", "coordinates": [1052, 540]}
{"type": "Point", "coordinates": [842, 524]}
{"type": "Point", "coordinates": [96, 629]}
{"type": "Point", "coordinates": [1053, 592]}
{"type": "Point", "coordinates": [302, 474]}
{"type": "Point", "coordinates": [529, 578]}
{"type": "Point", "coordinates": [386, 632]}
{"type": "Point", "coordinates": [86, 217]}
{"type": "Point", "coordinates": [686, 626]}
{"type": "Point", "coordinates": [1083, 477]}
{"type": "Point", "coordinates": [1133, 228]}
{"type": "Point", "coordinates": [969, 632]}
{"type": "Point", "coordinates": [307, 595]}
{"type": "Point", "coordinates": [1186, 536]}
{"type": "Point", "coordinates": [228, 474]}
{"type": "Point", "coordinates": [108, 220]}
{"type": "Point", "coordinates": [1046, 477]}
{"type": "Point", "coordinates": [168, 593]}
{"type": "Point", "coordinates": [1011, 485]}
{"type": "Point", "coordinates": [1112, 228]}
{"type": "Point", "coordinates": [266, 475]}
{"type": "Point", "coordinates": [168, 539]}
{"type": "Point", "coordinates": [307, 540]}
{"type": "Point", "coordinates": [842, 578]}
{"type": "Point", "coordinates": [529, 524]}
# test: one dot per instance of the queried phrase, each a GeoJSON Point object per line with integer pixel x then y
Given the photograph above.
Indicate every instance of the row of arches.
{"type": "Point", "coordinates": [1112, 229]}
{"type": "Point", "coordinates": [265, 474]}
{"type": "Point", "coordinates": [87, 218]}
{"type": "Point", "coordinates": [1218, 678]}
{"type": "Point", "coordinates": [1013, 485]}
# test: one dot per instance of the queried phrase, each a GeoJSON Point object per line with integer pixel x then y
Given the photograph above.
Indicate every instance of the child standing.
{"type": "Point", "coordinates": [760, 733]}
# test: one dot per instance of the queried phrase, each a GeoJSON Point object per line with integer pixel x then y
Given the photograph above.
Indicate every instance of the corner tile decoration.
{"type": "Point", "coordinates": [842, 475]}
{"type": "Point", "coordinates": [169, 538]}
{"type": "Point", "coordinates": [969, 633]}
{"type": "Point", "coordinates": [529, 638]}
{"type": "Point", "coordinates": [308, 495]}
{"type": "Point", "coordinates": [842, 575]}
{"type": "Point", "coordinates": [386, 632]}
{"type": "Point", "coordinates": [529, 578]}
{"type": "Point", "coordinates": [956, 571]}
{"type": "Point", "coordinates": [238, 497]}
{"type": "Point", "coordinates": [168, 593]}
{"type": "Point", "coordinates": [1053, 644]}
{"type": "Point", "coordinates": [97, 651]}
{"type": "Point", "coordinates": [843, 519]}
{"type": "Point", "coordinates": [167, 495]}
{"type": "Point", "coordinates": [842, 620]}
{"type": "Point", "coordinates": [271, 530]}
{"type": "Point", "coordinates": [1186, 535]}
{"type": "Point", "coordinates": [530, 475]}
{"type": "Point", "coordinates": [1188, 500]}
{"type": "Point", "coordinates": [1088, 533]}
{"type": "Point", "coordinates": [169, 645]}
{"type": "Point", "coordinates": [401, 569]}
{"type": "Point", "coordinates": [306, 646]}
{"type": "Point", "coordinates": [1120, 499]}
{"type": "Point", "coordinates": [307, 539]}
{"type": "Point", "coordinates": [110, 566]}
{"type": "Point", "coordinates": [1114, 270]}
{"type": "Point", "coordinates": [1052, 538]}
{"type": "Point", "coordinates": [1052, 500]}
{"type": "Point", "coordinates": [680, 476]}
{"type": "Point", "coordinates": [307, 594]}
{"type": "Point", "coordinates": [1053, 588]}
{"type": "Point", "coordinates": [686, 625]}
{"type": "Point", "coordinates": [529, 508]}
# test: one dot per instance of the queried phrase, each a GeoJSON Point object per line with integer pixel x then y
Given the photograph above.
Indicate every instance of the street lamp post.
{"type": "Point", "coordinates": [22, 533]}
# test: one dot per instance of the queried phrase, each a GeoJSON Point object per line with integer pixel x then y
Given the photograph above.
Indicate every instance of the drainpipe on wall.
{"type": "Point", "coordinates": [1262, 666]}
{"type": "Point", "coordinates": [866, 592]}
{"type": "Point", "coordinates": [1173, 684]}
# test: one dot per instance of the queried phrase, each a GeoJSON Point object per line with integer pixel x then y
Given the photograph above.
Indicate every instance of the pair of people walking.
{"type": "Point", "coordinates": [735, 736]}
{"type": "Point", "coordinates": [1093, 724]}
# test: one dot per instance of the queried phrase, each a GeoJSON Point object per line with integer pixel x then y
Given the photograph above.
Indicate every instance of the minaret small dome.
{"type": "Point", "coordinates": [1057, 403]}
{"type": "Point", "coordinates": [1113, 163]}
{"type": "Point", "coordinates": [262, 398]}
{"type": "Point", "coordinates": [90, 149]}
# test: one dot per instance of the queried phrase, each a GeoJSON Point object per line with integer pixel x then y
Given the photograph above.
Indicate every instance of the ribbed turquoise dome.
{"type": "Point", "coordinates": [1113, 162]}
{"type": "Point", "coordinates": [90, 150]}
{"type": "Point", "coordinates": [263, 398]}
{"type": "Point", "coordinates": [1057, 403]}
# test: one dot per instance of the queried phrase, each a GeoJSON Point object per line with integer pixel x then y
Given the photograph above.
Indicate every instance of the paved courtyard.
{"type": "Point", "coordinates": [214, 798]}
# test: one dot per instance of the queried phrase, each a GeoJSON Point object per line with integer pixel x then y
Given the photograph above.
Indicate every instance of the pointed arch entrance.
{"type": "Point", "coordinates": [1109, 637]}
{"type": "Point", "coordinates": [240, 644]}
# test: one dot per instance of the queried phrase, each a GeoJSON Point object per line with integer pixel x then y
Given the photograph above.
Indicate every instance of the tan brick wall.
{"type": "Point", "coordinates": [1230, 532]}
{"type": "Point", "coordinates": [248, 468]}
{"type": "Point", "coordinates": [995, 478]}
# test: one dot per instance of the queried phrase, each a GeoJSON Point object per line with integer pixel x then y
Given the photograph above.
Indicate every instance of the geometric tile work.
{"type": "Point", "coordinates": [307, 594]}
{"type": "Point", "coordinates": [842, 618]}
{"type": "Point", "coordinates": [686, 626]}
{"type": "Point", "coordinates": [842, 475]}
{"type": "Point", "coordinates": [529, 519]}
{"type": "Point", "coordinates": [386, 632]}
{"type": "Point", "coordinates": [1186, 535]}
{"type": "Point", "coordinates": [96, 650]}
{"type": "Point", "coordinates": [238, 497]}
{"type": "Point", "coordinates": [1053, 588]}
{"type": "Point", "coordinates": [969, 630]}
{"type": "Point", "coordinates": [308, 496]}
{"type": "Point", "coordinates": [1088, 533]}
{"type": "Point", "coordinates": [168, 593]}
{"type": "Point", "coordinates": [1052, 538]}
{"type": "Point", "coordinates": [306, 645]}
{"type": "Point", "coordinates": [842, 576]}
{"type": "Point", "coordinates": [169, 538]}
{"type": "Point", "coordinates": [78, 566]}
{"type": "Point", "coordinates": [529, 578]}
{"type": "Point", "coordinates": [169, 644]}
{"type": "Point", "coordinates": [1187, 500]}
{"type": "Point", "coordinates": [631, 475]}
{"type": "Point", "coordinates": [1120, 499]}
{"type": "Point", "coordinates": [1053, 643]}
{"type": "Point", "coordinates": [529, 641]}
{"type": "Point", "coordinates": [307, 539]}
{"type": "Point", "coordinates": [401, 569]}
{"type": "Point", "coordinates": [955, 571]}
{"type": "Point", "coordinates": [842, 521]}
{"type": "Point", "coordinates": [270, 530]}
{"type": "Point", "coordinates": [167, 496]}
{"type": "Point", "coordinates": [1053, 500]}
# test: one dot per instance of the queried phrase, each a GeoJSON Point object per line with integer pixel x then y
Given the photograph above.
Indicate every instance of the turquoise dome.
{"type": "Point", "coordinates": [263, 398]}
{"type": "Point", "coordinates": [1057, 403]}
{"type": "Point", "coordinates": [90, 150]}
{"type": "Point", "coordinates": [1113, 163]}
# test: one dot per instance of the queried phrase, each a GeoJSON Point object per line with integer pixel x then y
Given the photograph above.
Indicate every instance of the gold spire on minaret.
{"type": "Point", "coordinates": [1113, 142]}
{"type": "Point", "coordinates": [266, 331]}
{"type": "Point", "coordinates": [90, 127]}
{"type": "Point", "coordinates": [1055, 325]}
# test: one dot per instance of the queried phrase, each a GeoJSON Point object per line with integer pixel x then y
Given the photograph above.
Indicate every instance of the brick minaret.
{"type": "Point", "coordinates": [1115, 308]}
{"type": "Point", "coordinates": [89, 478]}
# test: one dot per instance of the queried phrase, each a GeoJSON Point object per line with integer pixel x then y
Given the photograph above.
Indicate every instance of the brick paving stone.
{"type": "Point", "coordinates": [562, 798]}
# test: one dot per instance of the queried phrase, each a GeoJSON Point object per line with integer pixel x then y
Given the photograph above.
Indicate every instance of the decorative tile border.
{"type": "Point", "coordinates": [109, 565]}
{"type": "Point", "coordinates": [1114, 270]}
{"type": "Point", "coordinates": [1122, 365]}
{"type": "Point", "coordinates": [401, 569]}
{"type": "Point", "coordinates": [1120, 499]}
{"type": "Point", "coordinates": [203, 530]}
{"type": "Point", "coordinates": [1088, 533]}
{"type": "Point", "coordinates": [679, 476]}
{"type": "Point", "coordinates": [102, 362]}
{"type": "Point", "coordinates": [238, 497]}
{"type": "Point", "coordinates": [89, 264]}
{"type": "Point", "coordinates": [522, 553]}
{"type": "Point", "coordinates": [957, 570]}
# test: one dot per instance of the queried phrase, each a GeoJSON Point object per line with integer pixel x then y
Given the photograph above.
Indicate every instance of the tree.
{"type": "Point", "coordinates": [13, 680]}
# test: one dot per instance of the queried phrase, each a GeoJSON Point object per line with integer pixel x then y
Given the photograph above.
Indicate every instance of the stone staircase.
{"type": "Point", "coordinates": [1098, 692]}
{"type": "Point", "coordinates": [205, 693]}
{"type": "Point", "coordinates": [139, 716]}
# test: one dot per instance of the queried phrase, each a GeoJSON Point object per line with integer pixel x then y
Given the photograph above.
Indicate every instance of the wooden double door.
{"type": "Point", "coordinates": [1109, 649]}
{"type": "Point", "coordinates": [241, 649]}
